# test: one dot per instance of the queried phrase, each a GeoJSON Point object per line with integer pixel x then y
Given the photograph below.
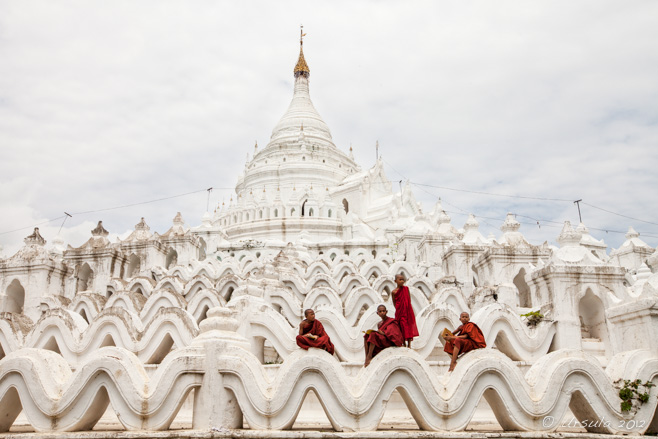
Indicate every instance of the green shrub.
{"type": "Point", "coordinates": [533, 318]}
{"type": "Point", "coordinates": [626, 393]}
{"type": "Point", "coordinates": [631, 392]}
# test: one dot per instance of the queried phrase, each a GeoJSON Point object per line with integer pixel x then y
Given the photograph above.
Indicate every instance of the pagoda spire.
{"type": "Point", "coordinates": [301, 69]}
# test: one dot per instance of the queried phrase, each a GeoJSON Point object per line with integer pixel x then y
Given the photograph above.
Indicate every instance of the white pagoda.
{"type": "Point", "coordinates": [194, 327]}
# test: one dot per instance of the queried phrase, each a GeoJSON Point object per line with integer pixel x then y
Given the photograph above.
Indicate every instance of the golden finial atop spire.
{"type": "Point", "coordinates": [301, 69]}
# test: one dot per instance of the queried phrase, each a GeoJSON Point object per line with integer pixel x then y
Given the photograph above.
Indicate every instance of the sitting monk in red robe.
{"type": "Point", "coordinates": [465, 338]}
{"type": "Point", "coordinates": [404, 313]}
{"type": "Point", "coordinates": [312, 335]}
{"type": "Point", "coordinates": [388, 334]}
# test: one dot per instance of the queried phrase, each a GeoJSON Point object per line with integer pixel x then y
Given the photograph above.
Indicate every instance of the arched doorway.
{"type": "Point", "coordinates": [525, 300]}
{"type": "Point", "coordinates": [85, 278]}
{"type": "Point", "coordinates": [593, 328]}
{"type": "Point", "coordinates": [172, 258]}
{"type": "Point", "coordinates": [133, 265]}
{"type": "Point", "coordinates": [592, 317]}
{"type": "Point", "coordinates": [15, 297]}
{"type": "Point", "coordinates": [202, 249]}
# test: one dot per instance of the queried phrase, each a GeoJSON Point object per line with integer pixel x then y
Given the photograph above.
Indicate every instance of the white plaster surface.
{"type": "Point", "coordinates": [195, 328]}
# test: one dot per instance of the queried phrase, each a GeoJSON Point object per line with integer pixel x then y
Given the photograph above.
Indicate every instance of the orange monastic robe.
{"type": "Point", "coordinates": [475, 339]}
{"type": "Point", "coordinates": [392, 336]}
{"type": "Point", "coordinates": [322, 342]}
{"type": "Point", "coordinates": [404, 314]}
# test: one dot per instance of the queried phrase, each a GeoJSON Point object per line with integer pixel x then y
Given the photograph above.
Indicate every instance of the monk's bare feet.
{"type": "Point", "coordinates": [367, 363]}
{"type": "Point", "coordinates": [452, 366]}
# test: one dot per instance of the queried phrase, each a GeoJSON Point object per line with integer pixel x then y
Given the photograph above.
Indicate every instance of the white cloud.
{"type": "Point", "coordinates": [107, 104]}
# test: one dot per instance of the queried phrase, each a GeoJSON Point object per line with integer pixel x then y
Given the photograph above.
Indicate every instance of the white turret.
{"type": "Point", "coordinates": [300, 156]}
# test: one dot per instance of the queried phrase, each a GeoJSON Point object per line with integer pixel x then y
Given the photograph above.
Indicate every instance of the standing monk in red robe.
{"type": "Point", "coordinates": [465, 338]}
{"type": "Point", "coordinates": [312, 335]}
{"type": "Point", "coordinates": [388, 334]}
{"type": "Point", "coordinates": [404, 313]}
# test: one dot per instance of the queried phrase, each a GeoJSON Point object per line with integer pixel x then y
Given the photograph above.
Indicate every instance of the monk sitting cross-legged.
{"type": "Point", "coordinates": [312, 335]}
{"type": "Point", "coordinates": [387, 334]}
{"type": "Point", "coordinates": [465, 338]}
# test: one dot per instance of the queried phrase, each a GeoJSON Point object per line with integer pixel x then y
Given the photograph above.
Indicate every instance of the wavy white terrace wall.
{"type": "Point", "coordinates": [140, 323]}
{"type": "Point", "coordinates": [179, 321]}
{"type": "Point", "coordinates": [231, 384]}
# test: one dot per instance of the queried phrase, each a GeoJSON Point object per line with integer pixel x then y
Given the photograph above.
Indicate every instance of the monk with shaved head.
{"type": "Point", "coordinates": [404, 312]}
{"type": "Point", "coordinates": [465, 338]}
{"type": "Point", "coordinates": [312, 335]}
{"type": "Point", "coordinates": [387, 334]}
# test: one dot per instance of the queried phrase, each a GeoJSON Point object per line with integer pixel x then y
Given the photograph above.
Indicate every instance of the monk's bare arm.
{"type": "Point", "coordinates": [302, 326]}
{"type": "Point", "coordinates": [455, 334]}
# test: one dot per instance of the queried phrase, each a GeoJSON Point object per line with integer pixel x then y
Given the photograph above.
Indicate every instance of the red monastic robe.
{"type": "Point", "coordinates": [404, 314]}
{"type": "Point", "coordinates": [475, 339]}
{"type": "Point", "coordinates": [322, 342]}
{"type": "Point", "coordinates": [392, 336]}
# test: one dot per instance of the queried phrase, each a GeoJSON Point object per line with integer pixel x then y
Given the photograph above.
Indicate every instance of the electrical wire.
{"type": "Point", "coordinates": [420, 186]}
{"type": "Point", "coordinates": [140, 203]}
{"type": "Point", "coordinates": [494, 195]}
{"type": "Point", "coordinates": [66, 215]}
{"type": "Point", "coordinates": [34, 225]}
{"type": "Point", "coordinates": [619, 214]}
{"type": "Point", "coordinates": [538, 221]}
{"type": "Point", "coordinates": [480, 192]}
{"type": "Point", "coordinates": [482, 218]}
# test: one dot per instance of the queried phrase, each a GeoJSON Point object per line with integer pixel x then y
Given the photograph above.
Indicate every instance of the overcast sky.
{"type": "Point", "coordinates": [104, 104]}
